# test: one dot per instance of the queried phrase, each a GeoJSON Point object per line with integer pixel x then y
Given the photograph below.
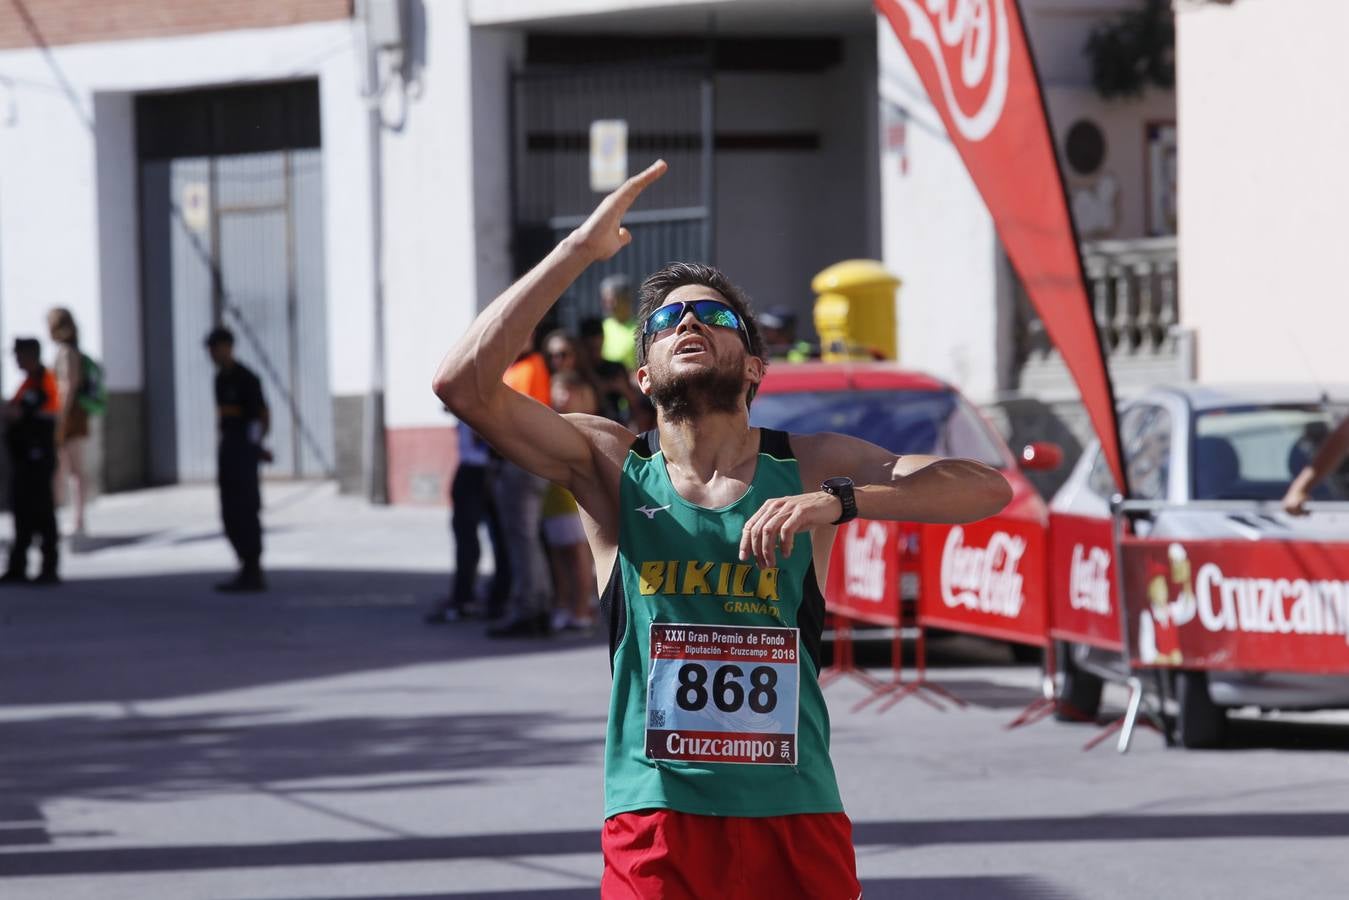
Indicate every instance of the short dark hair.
{"type": "Point", "coordinates": [220, 335]}
{"type": "Point", "coordinates": [27, 345]}
{"type": "Point", "coordinates": [592, 326]}
{"type": "Point", "coordinates": [660, 283]}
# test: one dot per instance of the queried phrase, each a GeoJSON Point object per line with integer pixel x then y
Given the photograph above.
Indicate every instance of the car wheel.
{"type": "Point", "coordinates": [1201, 723]}
{"type": "Point", "coordinates": [1079, 691]}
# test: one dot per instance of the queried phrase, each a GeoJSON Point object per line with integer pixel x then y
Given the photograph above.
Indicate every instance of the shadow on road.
{"type": "Point", "coordinates": [914, 833]}
{"type": "Point", "coordinates": [171, 756]}
{"type": "Point", "coordinates": [976, 887]}
{"type": "Point", "coordinates": [164, 636]}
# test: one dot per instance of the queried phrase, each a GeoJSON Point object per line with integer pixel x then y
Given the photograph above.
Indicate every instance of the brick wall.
{"type": "Point", "coordinates": [59, 22]}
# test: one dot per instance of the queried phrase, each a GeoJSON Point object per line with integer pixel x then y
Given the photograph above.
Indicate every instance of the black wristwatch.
{"type": "Point", "coordinates": [841, 487]}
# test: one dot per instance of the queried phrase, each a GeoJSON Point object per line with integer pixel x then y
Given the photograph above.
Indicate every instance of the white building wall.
{"type": "Point", "coordinates": [68, 177]}
{"type": "Point", "coordinates": [1263, 230]}
{"type": "Point", "coordinates": [430, 265]}
{"type": "Point", "coordinates": [937, 236]}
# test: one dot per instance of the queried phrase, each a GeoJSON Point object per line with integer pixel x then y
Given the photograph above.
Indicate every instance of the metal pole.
{"type": "Point", "coordinates": [375, 474]}
{"type": "Point", "coordinates": [1135, 687]}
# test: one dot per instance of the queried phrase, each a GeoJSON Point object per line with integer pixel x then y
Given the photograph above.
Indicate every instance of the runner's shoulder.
{"type": "Point", "coordinates": [608, 438]}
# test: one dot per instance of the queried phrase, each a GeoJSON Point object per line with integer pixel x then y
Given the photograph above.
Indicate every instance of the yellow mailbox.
{"type": "Point", "coordinates": [855, 311]}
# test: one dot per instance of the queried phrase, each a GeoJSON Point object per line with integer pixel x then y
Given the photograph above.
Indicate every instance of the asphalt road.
{"type": "Point", "coordinates": [158, 740]}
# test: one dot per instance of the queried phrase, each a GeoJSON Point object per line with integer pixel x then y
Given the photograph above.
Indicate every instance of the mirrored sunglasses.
{"type": "Point", "coordinates": [709, 312]}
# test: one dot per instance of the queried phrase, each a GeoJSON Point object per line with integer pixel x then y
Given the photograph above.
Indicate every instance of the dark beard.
{"type": "Point", "coordinates": [684, 398]}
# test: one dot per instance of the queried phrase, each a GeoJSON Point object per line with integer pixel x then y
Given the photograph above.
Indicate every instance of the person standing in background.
{"type": "Point", "coordinates": [1332, 451]}
{"type": "Point", "coordinates": [242, 421]}
{"type": "Point", "coordinates": [618, 394]}
{"type": "Point", "coordinates": [31, 440]}
{"type": "Point", "coordinates": [470, 503]}
{"type": "Point", "coordinates": [779, 334]}
{"type": "Point", "coordinates": [72, 423]}
{"type": "Point", "coordinates": [620, 335]}
{"type": "Point", "coordinates": [519, 498]}
{"type": "Point", "coordinates": [573, 567]}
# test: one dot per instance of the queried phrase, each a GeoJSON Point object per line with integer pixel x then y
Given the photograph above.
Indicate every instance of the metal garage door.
{"type": "Point", "coordinates": [233, 236]}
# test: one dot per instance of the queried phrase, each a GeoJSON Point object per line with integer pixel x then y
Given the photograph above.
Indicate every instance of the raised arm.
{"type": "Point", "coordinates": [1328, 457]}
{"type": "Point", "coordinates": [887, 487]}
{"type": "Point", "coordinates": [469, 383]}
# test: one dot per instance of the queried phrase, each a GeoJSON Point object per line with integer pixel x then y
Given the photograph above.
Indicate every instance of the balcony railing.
{"type": "Point", "coordinates": [1136, 304]}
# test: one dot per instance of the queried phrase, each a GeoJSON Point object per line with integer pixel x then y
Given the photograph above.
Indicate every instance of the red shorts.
{"type": "Point", "coordinates": [660, 853]}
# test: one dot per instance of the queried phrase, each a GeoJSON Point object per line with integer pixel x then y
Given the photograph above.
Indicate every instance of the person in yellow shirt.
{"type": "Point", "coordinates": [573, 567]}
{"type": "Point", "coordinates": [620, 342]}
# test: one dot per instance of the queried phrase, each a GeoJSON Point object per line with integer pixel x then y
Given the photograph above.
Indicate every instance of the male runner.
{"type": "Point", "coordinates": [711, 539]}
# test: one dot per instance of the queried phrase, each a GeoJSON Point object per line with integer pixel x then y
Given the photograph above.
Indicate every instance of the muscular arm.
{"type": "Point", "coordinates": [908, 488]}
{"type": "Point", "coordinates": [887, 487]}
{"type": "Point", "coordinates": [469, 382]}
{"type": "Point", "coordinates": [1331, 453]}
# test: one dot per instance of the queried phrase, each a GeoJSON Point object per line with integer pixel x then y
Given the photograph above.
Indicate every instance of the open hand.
{"type": "Point", "coordinates": [1294, 502]}
{"type": "Point", "coordinates": [602, 235]}
{"type": "Point", "coordinates": [780, 520]}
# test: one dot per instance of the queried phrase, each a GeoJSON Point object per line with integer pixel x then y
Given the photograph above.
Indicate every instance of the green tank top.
{"type": "Point", "coordinates": [737, 654]}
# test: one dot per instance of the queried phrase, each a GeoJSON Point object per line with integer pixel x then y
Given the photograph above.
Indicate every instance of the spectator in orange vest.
{"type": "Point", "coordinates": [31, 441]}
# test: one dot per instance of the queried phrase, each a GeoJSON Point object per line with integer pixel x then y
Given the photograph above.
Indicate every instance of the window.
{"type": "Point", "coordinates": [937, 422]}
{"type": "Point", "coordinates": [1253, 452]}
{"type": "Point", "coordinates": [1145, 432]}
{"type": "Point", "coordinates": [1147, 451]}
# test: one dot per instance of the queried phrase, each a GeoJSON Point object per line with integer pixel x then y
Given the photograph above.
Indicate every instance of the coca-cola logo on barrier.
{"type": "Point", "coordinates": [983, 578]}
{"type": "Point", "coordinates": [1089, 580]}
{"type": "Point", "coordinates": [970, 47]}
{"type": "Point", "coordinates": [864, 555]}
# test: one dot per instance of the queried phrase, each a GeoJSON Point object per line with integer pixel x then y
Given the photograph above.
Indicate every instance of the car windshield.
{"type": "Point", "coordinates": [936, 422]}
{"type": "Point", "coordinates": [1253, 452]}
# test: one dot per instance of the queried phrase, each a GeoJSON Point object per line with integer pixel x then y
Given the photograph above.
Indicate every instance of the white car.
{"type": "Point", "coordinates": [1191, 443]}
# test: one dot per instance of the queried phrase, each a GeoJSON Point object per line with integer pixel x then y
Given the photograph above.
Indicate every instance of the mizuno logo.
{"type": "Point", "coordinates": [650, 511]}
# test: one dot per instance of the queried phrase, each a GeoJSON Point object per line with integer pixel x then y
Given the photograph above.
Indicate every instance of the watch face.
{"type": "Point", "coordinates": [838, 482]}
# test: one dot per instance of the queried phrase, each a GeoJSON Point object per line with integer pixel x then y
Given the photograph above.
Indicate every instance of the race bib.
{"type": "Point", "coordinates": [723, 693]}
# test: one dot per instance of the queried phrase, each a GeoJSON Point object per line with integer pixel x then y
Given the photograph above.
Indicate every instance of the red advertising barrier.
{"type": "Point", "coordinates": [1083, 597]}
{"type": "Point", "coordinates": [986, 578]}
{"type": "Point", "coordinates": [1276, 606]}
{"type": "Point", "coordinates": [863, 583]}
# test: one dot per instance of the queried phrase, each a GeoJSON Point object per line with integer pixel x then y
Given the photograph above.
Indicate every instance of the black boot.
{"type": "Point", "coordinates": [249, 580]}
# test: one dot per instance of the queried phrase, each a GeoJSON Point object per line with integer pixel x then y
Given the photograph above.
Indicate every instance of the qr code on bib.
{"type": "Point", "coordinates": [656, 718]}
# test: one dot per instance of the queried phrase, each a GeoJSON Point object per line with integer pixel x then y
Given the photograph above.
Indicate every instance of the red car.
{"type": "Point", "coordinates": [985, 578]}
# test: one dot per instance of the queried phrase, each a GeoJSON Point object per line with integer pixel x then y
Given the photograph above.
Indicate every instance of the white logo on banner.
{"type": "Point", "coordinates": [863, 551]}
{"type": "Point", "coordinates": [979, 29]}
{"type": "Point", "coordinates": [1089, 580]}
{"type": "Point", "coordinates": [1271, 605]}
{"type": "Point", "coordinates": [983, 578]}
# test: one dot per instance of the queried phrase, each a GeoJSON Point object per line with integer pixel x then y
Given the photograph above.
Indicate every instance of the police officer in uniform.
{"type": "Point", "coordinates": [31, 441]}
{"type": "Point", "coordinates": [242, 419]}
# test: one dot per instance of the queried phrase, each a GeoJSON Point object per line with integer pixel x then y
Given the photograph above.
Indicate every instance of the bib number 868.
{"type": "Point", "coordinates": [727, 692]}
